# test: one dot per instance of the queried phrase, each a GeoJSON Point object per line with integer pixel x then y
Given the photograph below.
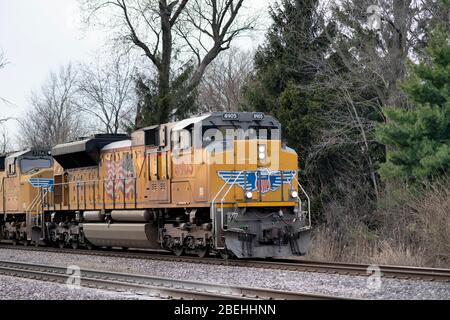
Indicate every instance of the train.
{"type": "Point", "coordinates": [222, 184]}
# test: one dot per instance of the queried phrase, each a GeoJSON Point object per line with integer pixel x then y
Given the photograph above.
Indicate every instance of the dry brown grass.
{"type": "Point", "coordinates": [410, 228]}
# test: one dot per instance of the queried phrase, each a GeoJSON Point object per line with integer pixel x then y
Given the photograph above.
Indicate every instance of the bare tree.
{"type": "Point", "coordinates": [3, 63]}
{"type": "Point", "coordinates": [174, 35]}
{"type": "Point", "coordinates": [221, 88]}
{"type": "Point", "coordinates": [4, 140]}
{"type": "Point", "coordinates": [380, 56]}
{"type": "Point", "coordinates": [3, 60]}
{"type": "Point", "coordinates": [53, 118]}
{"type": "Point", "coordinates": [105, 91]}
{"type": "Point", "coordinates": [363, 74]}
{"type": "Point", "coordinates": [3, 120]}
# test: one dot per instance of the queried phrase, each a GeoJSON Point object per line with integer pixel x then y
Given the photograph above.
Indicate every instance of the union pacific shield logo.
{"type": "Point", "coordinates": [42, 183]}
{"type": "Point", "coordinates": [261, 180]}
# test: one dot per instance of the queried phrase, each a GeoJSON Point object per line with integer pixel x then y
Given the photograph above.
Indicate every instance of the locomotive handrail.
{"type": "Point", "coordinates": [93, 181]}
{"type": "Point", "coordinates": [98, 183]}
{"type": "Point", "coordinates": [29, 210]}
{"type": "Point", "coordinates": [308, 201]}
{"type": "Point", "coordinates": [32, 204]}
{"type": "Point", "coordinates": [213, 203]}
{"type": "Point", "coordinates": [226, 193]}
{"type": "Point", "coordinates": [36, 203]}
{"type": "Point", "coordinates": [223, 187]}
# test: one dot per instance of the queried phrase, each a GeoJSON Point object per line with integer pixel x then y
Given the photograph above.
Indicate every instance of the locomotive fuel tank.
{"type": "Point", "coordinates": [125, 235]}
{"type": "Point", "coordinates": [94, 216]}
{"type": "Point", "coordinates": [131, 216]}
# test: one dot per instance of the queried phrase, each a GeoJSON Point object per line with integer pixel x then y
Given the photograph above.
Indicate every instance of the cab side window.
{"type": "Point", "coordinates": [11, 168]}
{"type": "Point", "coordinates": [182, 140]}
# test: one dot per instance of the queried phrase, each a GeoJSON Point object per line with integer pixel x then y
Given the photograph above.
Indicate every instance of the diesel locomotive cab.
{"type": "Point", "coordinates": [256, 205]}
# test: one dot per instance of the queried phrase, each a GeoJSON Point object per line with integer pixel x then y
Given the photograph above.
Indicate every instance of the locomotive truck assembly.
{"type": "Point", "coordinates": [222, 183]}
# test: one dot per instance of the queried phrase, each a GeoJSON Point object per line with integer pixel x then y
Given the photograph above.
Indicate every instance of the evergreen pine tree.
{"type": "Point", "coordinates": [284, 71]}
{"type": "Point", "coordinates": [418, 139]}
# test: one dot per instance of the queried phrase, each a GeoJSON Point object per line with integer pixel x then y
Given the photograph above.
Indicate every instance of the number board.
{"type": "Point", "coordinates": [40, 153]}
{"type": "Point", "coordinates": [230, 116]}
{"type": "Point", "coordinates": [258, 116]}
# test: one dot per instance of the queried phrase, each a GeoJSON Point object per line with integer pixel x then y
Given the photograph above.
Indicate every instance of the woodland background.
{"type": "Point", "coordinates": [367, 109]}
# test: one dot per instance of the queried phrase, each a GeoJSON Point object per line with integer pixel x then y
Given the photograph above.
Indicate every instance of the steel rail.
{"type": "Point", "coordinates": [394, 272]}
{"type": "Point", "coordinates": [152, 286]}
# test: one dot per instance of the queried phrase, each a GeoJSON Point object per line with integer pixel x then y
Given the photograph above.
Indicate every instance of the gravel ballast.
{"type": "Point", "coordinates": [316, 283]}
{"type": "Point", "coordinates": [12, 288]}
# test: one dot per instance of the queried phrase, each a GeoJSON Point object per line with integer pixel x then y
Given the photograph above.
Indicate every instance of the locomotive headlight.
{"type": "Point", "coordinates": [262, 150]}
{"type": "Point", "coordinates": [294, 194]}
{"type": "Point", "coordinates": [249, 195]}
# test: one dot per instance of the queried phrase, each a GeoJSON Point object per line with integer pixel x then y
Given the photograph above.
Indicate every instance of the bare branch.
{"type": "Point", "coordinates": [221, 88]}
{"type": "Point", "coordinates": [3, 61]}
{"type": "Point", "coordinates": [105, 92]}
{"type": "Point", "coordinates": [173, 33]}
{"type": "Point", "coordinates": [53, 117]}
{"type": "Point", "coordinates": [216, 19]}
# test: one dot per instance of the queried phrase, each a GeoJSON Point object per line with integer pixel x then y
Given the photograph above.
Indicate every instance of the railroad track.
{"type": "Point", "coordinates": [152, 286]}
{"type": "Point", "coordinates": [394, 272]}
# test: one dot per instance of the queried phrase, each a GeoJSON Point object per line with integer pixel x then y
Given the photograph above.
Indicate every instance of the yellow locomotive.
{"type": "Point", "coordinates": [22, 175]}
{"type": "Point", "coordinates": [222, 183]}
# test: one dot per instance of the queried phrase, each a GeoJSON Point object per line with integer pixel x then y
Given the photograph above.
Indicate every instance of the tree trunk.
{"type": "Point", "coordinates": [164, 105]}
{"type": "Point", "coordinates": [399, 50]}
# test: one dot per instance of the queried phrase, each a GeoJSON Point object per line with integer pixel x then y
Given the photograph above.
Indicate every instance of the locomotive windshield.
{"type": "Point", "coordinates": [27, 165]}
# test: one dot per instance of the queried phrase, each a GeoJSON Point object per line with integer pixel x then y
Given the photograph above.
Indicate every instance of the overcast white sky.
{"type": "Point", "coordinates": [38, 36]}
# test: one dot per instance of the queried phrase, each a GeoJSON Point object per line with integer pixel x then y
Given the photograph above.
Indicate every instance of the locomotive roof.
{"type": "Point", "coordinates": [239, 119]}
{"type": "Point", "coordinates": [27, 152]}
{"type": "Point", "coordinates": [18, 154]}
{"type": "Point", "coordinates": [117, 145]}
{"type": "Point", "coordinates": [85, 152]}
{"type": "Point", "coordinates": [186, 123]}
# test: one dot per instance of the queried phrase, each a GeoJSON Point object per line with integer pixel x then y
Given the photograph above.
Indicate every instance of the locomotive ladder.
{"type": "Point", "coordinates": [37, 207]}
{"type": "Point", "coordinates": [214, 209]}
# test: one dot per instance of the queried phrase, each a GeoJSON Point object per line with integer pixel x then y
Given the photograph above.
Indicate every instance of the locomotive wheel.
{"type": "Point", "coordinates": [61, 244]}
{"type": "Point", "coordinates": [178, 251]}
{"type": "Point", "coordinates": [74, 245]}
{"type": "Point", "coordinates": [26, 243]}
{"type": "Point", "coordinates": [225, 255]}
{"type": "Point", "coordinates": [89, 246]}
{"type": "Point", "coordinates": [202, 252]}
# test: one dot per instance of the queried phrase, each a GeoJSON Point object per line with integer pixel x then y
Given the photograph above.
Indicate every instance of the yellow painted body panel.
{"type": "Point", "coordinates": [17, 194]}
{"type": "Point", "coordinates": [141, 178]}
